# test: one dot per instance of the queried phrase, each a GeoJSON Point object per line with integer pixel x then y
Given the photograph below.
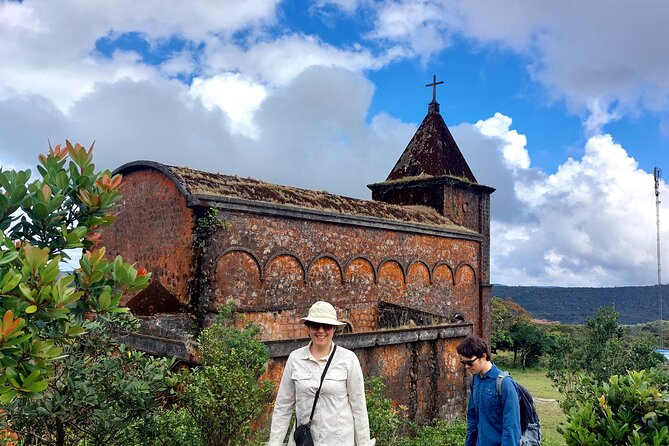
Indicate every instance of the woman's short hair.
{"type": "Point", "coordinates": [473, 346]}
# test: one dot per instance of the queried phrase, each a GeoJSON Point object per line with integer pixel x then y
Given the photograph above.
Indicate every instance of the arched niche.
{"type": "Point", "coordinates": [238, 277]}
{"type": "Point", "coordinates": [391, 281]}
{"type": "Point", "coordinates": [284, 281]}
{"type": "Point", "coordinates": [418, 274]}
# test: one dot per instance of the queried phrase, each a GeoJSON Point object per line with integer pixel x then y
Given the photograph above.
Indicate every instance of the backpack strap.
{"type": "Point", "coordinates": [500, 378]}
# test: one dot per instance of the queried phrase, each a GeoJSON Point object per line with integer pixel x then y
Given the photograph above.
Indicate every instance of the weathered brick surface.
{"type": "Point", "coordinates": [154, 229]}
{"type": "Point", "coordinates": [281, 266]}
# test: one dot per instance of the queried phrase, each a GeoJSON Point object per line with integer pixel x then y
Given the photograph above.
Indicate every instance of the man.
{"type": "Point", "coordinates": [492, 419]}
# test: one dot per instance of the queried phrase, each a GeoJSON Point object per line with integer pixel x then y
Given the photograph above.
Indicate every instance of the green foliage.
{"type": "Point", "coordinates": [513, 330]}
{"type": "Point", "coordinates": [41, 309]}
{"type": "Point", "coordinates": [385, 419]}
{"type": "Point", "coordinates": [208, 224]}
{"type": "Point", "coordinates": [169, 427]}
{"type": "Point", "coordinates": [441, 433]}
{"type": "Point", "coordinates": [389, 424]}
{"type": "Point", "coordinates": [530, 342]}
{"type": "Point", "coordinates": [98, 389]}
{"type": "Point", "coordinates": [652, 331]}
{"type": "Point", "coordinates": [573, 305]}
{"type": "Point", "coordinates": [224, 395]}
{"type": "Point", "coordinates": [599, 351]}
{"type": "Point", "coordinates": [631, 409]}
{"type": "Point", "coordinates": [505, 314]}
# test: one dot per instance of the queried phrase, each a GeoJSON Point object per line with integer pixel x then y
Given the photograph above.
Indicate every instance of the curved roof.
{"type": "Point", "coordinates": [198, 186]}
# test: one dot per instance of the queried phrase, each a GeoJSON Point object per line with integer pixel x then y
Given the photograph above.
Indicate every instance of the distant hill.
{"type": "Point", "coordinates": [636, 304]}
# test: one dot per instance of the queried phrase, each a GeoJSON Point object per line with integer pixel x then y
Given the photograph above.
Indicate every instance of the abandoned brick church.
{"type": "Point", "coordinates": [408, 269]}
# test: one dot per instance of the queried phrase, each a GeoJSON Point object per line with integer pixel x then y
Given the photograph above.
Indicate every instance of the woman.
{"type": "Point", "coordinates": [340, 418]}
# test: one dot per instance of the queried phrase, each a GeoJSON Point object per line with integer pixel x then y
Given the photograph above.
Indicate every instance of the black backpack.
{"type": "Point", "coordinates": [530, 427]}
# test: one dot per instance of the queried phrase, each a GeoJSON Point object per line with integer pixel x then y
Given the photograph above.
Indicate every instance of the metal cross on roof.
{"type": "Point", "coordinates": [434, 87]}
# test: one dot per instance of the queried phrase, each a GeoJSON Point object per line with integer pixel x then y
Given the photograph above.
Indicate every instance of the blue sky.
{"type": "Point", "coordinates": [563, 108]}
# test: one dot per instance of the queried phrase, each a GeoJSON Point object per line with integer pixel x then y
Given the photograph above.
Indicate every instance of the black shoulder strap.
{"type": "Point", "coordinates": [321, 384]}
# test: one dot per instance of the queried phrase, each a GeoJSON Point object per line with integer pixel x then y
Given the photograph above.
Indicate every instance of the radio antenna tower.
{"type": "Point", "coordinates": [657, 173]}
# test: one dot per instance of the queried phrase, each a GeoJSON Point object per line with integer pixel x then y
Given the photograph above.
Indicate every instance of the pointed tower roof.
{"type": "Point", "coordinates": [432, 151]}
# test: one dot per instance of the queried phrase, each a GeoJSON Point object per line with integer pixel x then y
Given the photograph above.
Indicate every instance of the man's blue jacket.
{"type": "Point", "coordinates": [492, 419]}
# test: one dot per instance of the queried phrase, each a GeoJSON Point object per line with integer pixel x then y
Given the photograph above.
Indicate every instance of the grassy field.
{"type": "Point", "coordinates": [545, 399]}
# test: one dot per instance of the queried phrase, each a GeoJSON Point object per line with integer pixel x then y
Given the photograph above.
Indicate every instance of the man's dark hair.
{"type": "Point", "coordinates": [473, 346]}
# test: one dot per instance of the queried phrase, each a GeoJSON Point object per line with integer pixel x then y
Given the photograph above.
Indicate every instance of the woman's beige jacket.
{"type": "Point", "coordinates": [341, 412]}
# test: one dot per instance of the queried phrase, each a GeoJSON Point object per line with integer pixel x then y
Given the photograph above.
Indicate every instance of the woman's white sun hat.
{"type": "Point", "coordinates": [322, 313]}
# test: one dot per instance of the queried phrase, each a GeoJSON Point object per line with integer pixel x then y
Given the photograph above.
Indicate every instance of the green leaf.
{"type": "Point", "coordinates": [26, 292]}
{"type": "Point", "coordinates": [18, 194]}
{"type": "Point", "coordinates": [37, 386]}
{"type": "Point", "coordinates": [8, 257]}
{"type": "Point", "coordinates": [62, 180]}
{"type": "Point", "coordinates": [40, 211]}
{"type": "Point", "coordinates": [31, 309]}
{"type": "Point", "coordinates": [7, 395]}
{"type": "Point", "coordinates": [10, 281]}
{"type": "Point", "coordinates": [104, 300]}
{"type": "Point", "coordinates": [33, 377]}
{"type": "Point", "coordinates": [75, 330]}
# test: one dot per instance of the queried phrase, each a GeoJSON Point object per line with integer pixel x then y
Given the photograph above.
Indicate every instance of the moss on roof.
{"type": "Point", "coordinates": [198, 182]}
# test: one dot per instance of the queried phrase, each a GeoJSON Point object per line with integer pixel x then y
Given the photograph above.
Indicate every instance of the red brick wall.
{"type": "Point", "coordinates": [275, 268]}
{"type": "Point", "coordinates": [154, 229]}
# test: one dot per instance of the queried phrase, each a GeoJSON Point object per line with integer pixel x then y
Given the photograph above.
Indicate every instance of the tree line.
{"type": "Point", "coordinates": [573, 305]}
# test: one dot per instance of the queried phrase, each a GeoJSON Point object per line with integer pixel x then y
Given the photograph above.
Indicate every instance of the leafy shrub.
{"type": "Point", "coordinates": [505, 314]}
{"type": "Point", "coordinates": [169, 427]}
{"type": "Point", "coordinates": [41, 310]}
{"type": "Point", "coordinates": [385, 419]}
{"type": "Point", "coordinates": [600, 351]}
{"type": "Point", "coordinates": [442, 433]}
{"type": "Point", "coordinates": [631, 409]}
{"type": "Point", "coordinates": [99, 390]}
{"type": "Point", "coordinates": [530, 342]}
{"type": "Point", "coordinates": [224, 395]}
{"type": "Point", "coordinates": [390, 425]}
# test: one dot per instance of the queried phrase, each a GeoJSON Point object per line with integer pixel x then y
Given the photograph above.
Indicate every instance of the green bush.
{"type": "Point", "coordinates": [385, 419]}
{"type": "Point", "coordinates": [98, 392]}
{"type": "Point", "coordinates": [442, 433]}
{"type": "Point", "coordinates": [42, 310]}
{"type": "Point", "coordinates": [169, 427]}
{"type": "Point", "coordinates": [389, 424]}
{"type": "Point", "coordinates": [223, 395]}
{"type": "Point", "coordinates": [600, 350]}
{"type": "Point", "coordinates": [631, 409]}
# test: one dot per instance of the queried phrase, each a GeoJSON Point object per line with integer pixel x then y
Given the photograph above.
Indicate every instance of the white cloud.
{"type": "Point", "coordinates": [598, 116]}
{"type": "Point", "coordinates": [306, 136]}
{"type": "Point", "coordinates": [513, 150]}
{"type": "Point", "coordinates": [236, 95]}
{"type": "Point", "coordinates": [279, 60]}
{"type": "Point", "coordinates": [348, 6]}
{"type": "Point", "coordinates": [589, 224]}
{"type": "Point", "coordinates": [48, 47]}
{"type": "Point", "coordinates": [421, 26]}
{"type": "Point", "coordinates": [495, 153]}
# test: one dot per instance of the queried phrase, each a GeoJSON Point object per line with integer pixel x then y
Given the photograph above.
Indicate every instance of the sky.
{"type": "Point", "coordinates": [562, 107]}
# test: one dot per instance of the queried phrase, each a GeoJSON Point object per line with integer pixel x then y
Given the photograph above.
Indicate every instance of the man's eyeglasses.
{"type": "Point", "coordinates": [469, 362]}
{"type": "Point", "coordinates": [316, 326]}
